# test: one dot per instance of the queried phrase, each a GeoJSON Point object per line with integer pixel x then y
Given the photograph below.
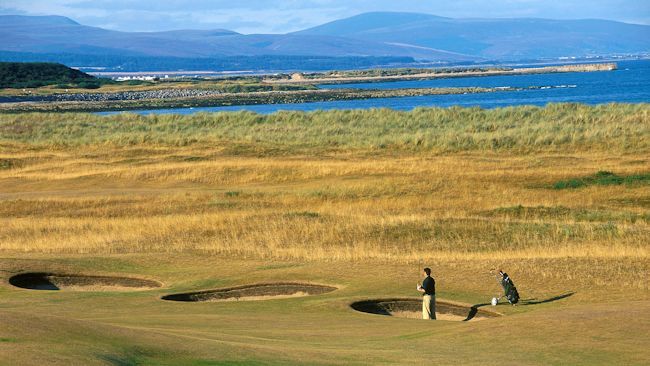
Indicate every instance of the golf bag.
{"type": "Point", "coordinates": [510, 290]}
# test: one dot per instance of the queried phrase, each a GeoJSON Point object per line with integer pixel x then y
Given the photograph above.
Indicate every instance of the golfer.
{"type": "Point", "coordinates": [428, 288]}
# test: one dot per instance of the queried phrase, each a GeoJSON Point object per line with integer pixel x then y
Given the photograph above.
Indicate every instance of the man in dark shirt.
{"type": "Point", "coordinates": [428, 288]}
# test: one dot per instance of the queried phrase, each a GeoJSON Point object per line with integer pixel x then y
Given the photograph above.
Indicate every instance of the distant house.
{"type": "Point", "coordinates": [141, 78]}
{"type": "Point", "coordinates": [297, 76]}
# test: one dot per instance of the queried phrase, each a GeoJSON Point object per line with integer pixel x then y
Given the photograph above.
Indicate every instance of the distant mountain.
{"type": "Point", "coordinates": [496, 39]}
{"type": "Point", "coordinates": [62, 35]}
{"type": "Point", "coordinates": [35, 21]}
{"type": "Point", "coordinates": [372, 35]}
{"type": "Point", "coordinates": [371, 22]}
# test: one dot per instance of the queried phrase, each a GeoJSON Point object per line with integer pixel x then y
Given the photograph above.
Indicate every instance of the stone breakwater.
{"type": "Point", "coordinates": [106, 97]}
{"type": "Point", "coordinates": [252, 98]}
{"type": "Point", "coordinates": [229, 99]}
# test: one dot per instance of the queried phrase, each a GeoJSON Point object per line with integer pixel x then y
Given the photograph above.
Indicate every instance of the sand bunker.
{"type": "Point", "coordinates": [76, 282]}
{"type": "Point", "coordinates": [412, 308]}
{"type": "Point", "coordinates": [264, 291]}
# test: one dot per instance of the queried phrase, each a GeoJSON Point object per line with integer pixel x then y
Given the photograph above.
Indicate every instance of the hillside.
{"type": "Point", "coordinates": [63, 36]}
{"type": "Point", "coordinates": [493, 38]}
{"type": "Point", "coordinates": [33, 75]}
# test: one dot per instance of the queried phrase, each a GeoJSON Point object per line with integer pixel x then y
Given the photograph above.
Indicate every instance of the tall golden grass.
{"type": "Point", "coordinates": [341, 207]}
{"type": "Point", "coordinates": [432, 184]}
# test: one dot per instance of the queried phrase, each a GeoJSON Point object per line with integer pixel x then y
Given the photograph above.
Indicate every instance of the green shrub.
{"type": "Point", "coordinates": [89, 85]}
{"type": "Point", "coordinates": [37, 74]}
{"type": "Point", "coordinates": [602, 178]}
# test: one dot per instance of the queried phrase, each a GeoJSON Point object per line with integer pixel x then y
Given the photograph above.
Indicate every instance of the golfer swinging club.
{"type": "Point", "coordinates": [428, 287]}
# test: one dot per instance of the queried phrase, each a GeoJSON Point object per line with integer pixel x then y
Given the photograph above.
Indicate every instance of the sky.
{"type": "Point", "coordinates": [282, 16]}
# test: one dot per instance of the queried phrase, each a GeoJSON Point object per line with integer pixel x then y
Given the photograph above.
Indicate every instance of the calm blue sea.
{"type": "Point", "coordinates": [629, 84]}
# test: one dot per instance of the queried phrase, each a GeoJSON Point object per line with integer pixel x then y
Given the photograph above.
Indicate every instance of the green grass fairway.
{"type": "Point", "coordinates": [595, 325]}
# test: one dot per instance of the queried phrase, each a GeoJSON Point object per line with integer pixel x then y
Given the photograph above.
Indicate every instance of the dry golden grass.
{"type": "Point", "coordinates": [460, 206]}
{"type": "Point", "coordinates": [438, 185]}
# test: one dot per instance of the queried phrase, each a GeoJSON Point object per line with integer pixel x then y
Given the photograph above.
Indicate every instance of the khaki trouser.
{"type": "Point", "coordinates": [429, 307]}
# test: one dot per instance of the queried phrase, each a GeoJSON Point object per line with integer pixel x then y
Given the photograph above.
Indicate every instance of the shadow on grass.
{"type": "Point", "coordinates": [474, 310]}
{"type": "Point", "coordinates": [525, 302]}
{"type": "Point", "coordinates": [534, 301]}
{"type": "Point", "coordinates": [34, 281]}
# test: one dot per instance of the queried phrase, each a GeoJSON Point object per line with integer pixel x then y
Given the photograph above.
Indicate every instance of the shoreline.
{"type": "Point", "coordinates": [234, 99]}
{"type": "Point", "coordinates": [610, 66]}
{"type": "Point", "coordinates": [299, 90]}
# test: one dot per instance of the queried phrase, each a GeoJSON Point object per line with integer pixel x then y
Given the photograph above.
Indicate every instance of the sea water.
{"type": "Point", "coordinates": [629, 84]}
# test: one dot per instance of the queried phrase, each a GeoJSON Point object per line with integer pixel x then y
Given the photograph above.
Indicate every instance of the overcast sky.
{"type": "Point", "coordinates": [280, 16]}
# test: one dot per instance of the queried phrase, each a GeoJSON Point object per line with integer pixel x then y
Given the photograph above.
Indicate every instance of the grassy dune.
{"type": "Point", "coordinates": [559, 127]}
{"type": "Point", "coordinates": [559, 196]}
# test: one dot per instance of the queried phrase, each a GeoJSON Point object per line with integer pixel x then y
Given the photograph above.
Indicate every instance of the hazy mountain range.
{"type": "Point", "coordinates": [418, 36]}
{"type": "Point", "coordinates": [55, 34]}
{"type": "Point", "coordinates": [496, 39]}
